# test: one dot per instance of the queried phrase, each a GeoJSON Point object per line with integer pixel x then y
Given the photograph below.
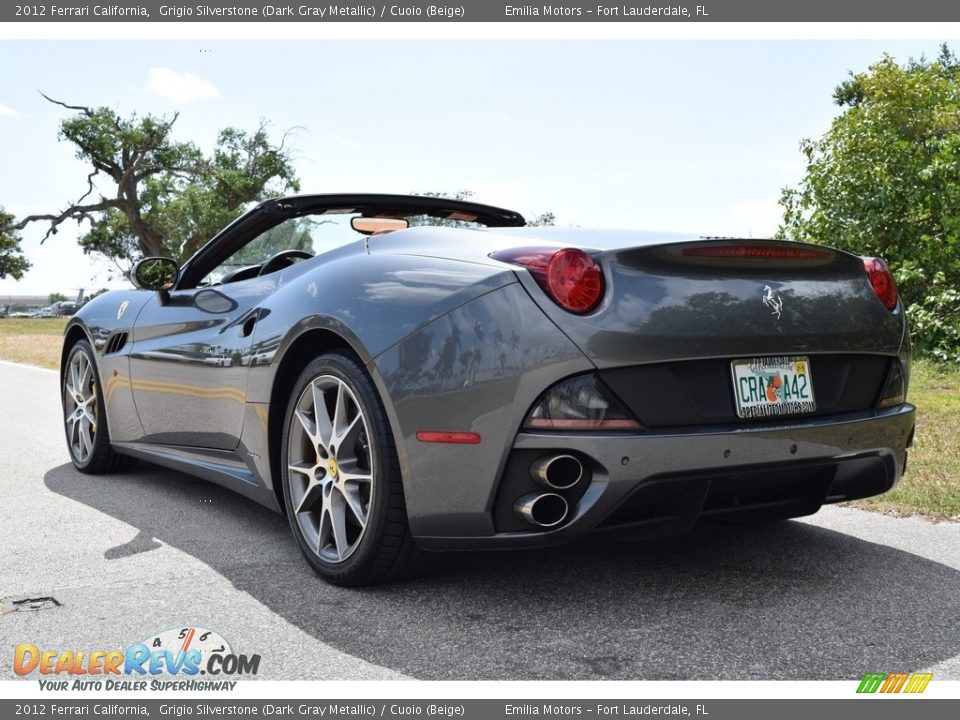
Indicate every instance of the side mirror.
{"type": "Point", "coordinates": [156, 273]}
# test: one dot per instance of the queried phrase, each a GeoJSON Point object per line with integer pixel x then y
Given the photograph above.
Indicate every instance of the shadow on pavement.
{"type": "Point", "coordinates": [786, 601]}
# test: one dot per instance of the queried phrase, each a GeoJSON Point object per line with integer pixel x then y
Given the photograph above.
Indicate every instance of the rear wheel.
{"type": "Point", "coordinates": [85, 423]}
{"type": "Point", "coordinates": [341, 478]}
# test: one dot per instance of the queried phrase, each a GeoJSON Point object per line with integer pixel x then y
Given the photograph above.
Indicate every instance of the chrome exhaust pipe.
{"type": "Point", "coordinates": [557, 472]}
{"type": "Point", "coordinates": [544, 510]}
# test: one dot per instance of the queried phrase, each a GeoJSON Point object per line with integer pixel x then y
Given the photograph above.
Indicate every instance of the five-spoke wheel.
{"type": "Point", "coordinates": [331, 473]}
{"type": "Point", "coordinates": [80, 405]}
{"type": "Point", "coordinates": [84, 418]}
{"type": "Point", "coordinates": [341, 478]}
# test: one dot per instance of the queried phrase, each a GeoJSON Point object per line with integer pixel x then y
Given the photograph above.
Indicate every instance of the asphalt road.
{"type": "Point", "coordinates": [832, 597]}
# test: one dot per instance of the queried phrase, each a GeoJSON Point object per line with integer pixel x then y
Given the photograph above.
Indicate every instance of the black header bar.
{"type": "Point", "coordinates": [52, 707]}
{"type": "Point", "coordinates": [484, 11]}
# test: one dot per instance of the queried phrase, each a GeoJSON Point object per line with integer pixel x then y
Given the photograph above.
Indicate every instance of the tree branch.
{"type": "Point", "coordinates": [82, 108]}
{"type": "Point", "coordinates": [287, 133]}
{"type": "Point", "coordinates": [74, 212]}
{"type": "Point", "coordinates": [87, 194]}
{"type": "Point", "coordinates": [135, 160]}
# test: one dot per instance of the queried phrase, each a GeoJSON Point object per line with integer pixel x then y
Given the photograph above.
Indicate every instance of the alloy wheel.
{"type": "Point", "coordinates": [330, 468]}
{"type": "Point", "coordinates": [80, 406]}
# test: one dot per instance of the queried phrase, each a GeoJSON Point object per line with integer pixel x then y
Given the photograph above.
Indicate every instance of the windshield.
{"type": "Point", "coordinates": [311, 235]}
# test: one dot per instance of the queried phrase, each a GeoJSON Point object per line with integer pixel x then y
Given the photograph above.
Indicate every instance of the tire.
{"type": "Point", "coordinates": [341, 480]}
{"type": "Point", "coordinates": [85, 422]}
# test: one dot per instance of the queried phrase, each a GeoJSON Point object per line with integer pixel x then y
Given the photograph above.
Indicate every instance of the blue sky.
{"type": "Point", "coordinates": [682, 135]}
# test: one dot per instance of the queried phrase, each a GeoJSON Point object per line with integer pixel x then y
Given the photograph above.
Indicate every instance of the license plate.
{"type": "Point", "coordinates": [773, 386]}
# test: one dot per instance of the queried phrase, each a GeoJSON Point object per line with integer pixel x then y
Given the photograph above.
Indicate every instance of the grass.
{"type": "Point", "coordinates": [34, 341]}
{"type": "Point", "coordinates": [931, 486]}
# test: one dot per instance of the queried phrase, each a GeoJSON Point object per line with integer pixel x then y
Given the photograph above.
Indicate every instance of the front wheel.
{"type": "Point", "coordinates": [85, 422]}
{"type": "Point", "coordinates": [341, 478]}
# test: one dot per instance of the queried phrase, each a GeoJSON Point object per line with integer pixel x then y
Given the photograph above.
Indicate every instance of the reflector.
{"type": "Point", "coordinates": [439, 436]}
{"type": "Point", "coordinates": [580, 403]}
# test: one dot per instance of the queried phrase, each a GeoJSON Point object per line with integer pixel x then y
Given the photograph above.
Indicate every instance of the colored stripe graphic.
{"type": "Point", "coordinates": [871, 682]}
{"type": "Point", "coordinates": [918, 683]}
{"type": "Point", "coordinates": [894, 682]}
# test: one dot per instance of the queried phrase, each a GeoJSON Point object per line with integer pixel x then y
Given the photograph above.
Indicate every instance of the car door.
{"type": "Point", "coordinates": [189, 362]}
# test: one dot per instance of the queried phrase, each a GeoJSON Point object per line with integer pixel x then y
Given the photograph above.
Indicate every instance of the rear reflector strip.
{"type": "Point", "coordinates": [767, 252]}
{"type": "Point", "coordinates": [435, 436]}
{"type": "Point", "coordinates": [582, 424]}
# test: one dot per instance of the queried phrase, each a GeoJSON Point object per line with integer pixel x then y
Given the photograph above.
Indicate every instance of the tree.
{"type": "Point", "coordinates": [12, 261]}
{"type": "Point", "coordinates": [291, 234]}
{"type": "Point", "coordinates": [165, 197]}
{"type": "Point", "coordinates": [547, 218]}
{"type": "Point", "coordinates": [885, 180]}
{"type": "Point", "coordinates": [55, 298]}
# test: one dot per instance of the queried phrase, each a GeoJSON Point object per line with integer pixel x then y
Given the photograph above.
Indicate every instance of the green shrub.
{"type": "Point", "coordinates": [935, 317]}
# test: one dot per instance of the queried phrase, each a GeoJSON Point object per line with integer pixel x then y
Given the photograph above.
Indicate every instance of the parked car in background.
{"type": "Point", "coordinates": [64, 308]}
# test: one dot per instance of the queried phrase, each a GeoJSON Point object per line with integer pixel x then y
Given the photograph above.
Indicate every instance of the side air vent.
{"type": "Point", "coordinates": [115, 343]}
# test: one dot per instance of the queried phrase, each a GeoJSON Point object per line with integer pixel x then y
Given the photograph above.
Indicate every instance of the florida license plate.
{"type": "Point", "coordinates": [773, 386]}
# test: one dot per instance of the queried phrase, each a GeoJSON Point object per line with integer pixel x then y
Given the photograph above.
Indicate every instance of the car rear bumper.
{"type": "Point", "coordinates": [661, 483]}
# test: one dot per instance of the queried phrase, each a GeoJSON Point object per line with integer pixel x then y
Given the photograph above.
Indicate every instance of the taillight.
{"type": "Point", "coordinates": [882, 281]}
{"type": "Point", "coordinates": [570, 277]}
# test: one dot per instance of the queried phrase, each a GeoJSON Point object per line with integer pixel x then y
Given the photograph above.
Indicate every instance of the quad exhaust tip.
{"type": "Point", "coordinates": [544, 510]}
{"type": "Point", "coordinates": [557, 472]}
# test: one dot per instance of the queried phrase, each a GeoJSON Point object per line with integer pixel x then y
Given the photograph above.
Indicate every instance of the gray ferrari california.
{"type": "Point", "coordinates": [400, 374]}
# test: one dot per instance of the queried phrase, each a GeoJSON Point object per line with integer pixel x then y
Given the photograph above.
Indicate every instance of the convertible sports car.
{"type": "Point", "coordinates": [403, 374]}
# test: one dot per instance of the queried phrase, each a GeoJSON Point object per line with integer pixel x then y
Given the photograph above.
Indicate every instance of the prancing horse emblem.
{"type": "Point", "coordinates": [772, 300]}
{"type": "Point", "coordinates": [126, 303]}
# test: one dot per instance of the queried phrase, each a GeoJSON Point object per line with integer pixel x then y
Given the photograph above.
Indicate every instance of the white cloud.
{"type": "Point", "coordinates": [8, 111]}
{"type": "Point", "coordinates": [346, 143]}
{"type": "Point", "coordinates": [182, 87]}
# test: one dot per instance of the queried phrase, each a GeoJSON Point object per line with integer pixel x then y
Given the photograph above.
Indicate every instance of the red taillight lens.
{"type": "Point", "coordinates": [575, 280]}
{"type": "Point", "coordinates": [882, 281]}
{"type": "Point", "coordinates": [570, 277]}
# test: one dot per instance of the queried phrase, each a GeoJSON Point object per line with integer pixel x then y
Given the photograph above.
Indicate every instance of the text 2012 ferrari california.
{"type": "Point", "coordinates": [400, 374]}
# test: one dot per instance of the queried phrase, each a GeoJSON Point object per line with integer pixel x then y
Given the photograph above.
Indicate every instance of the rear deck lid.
{"type": "Point", "coordinates": [726, 298]}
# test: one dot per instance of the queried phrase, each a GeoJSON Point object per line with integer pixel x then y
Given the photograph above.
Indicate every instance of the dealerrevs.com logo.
{"type": "Point", "coordinates": [186, 658]}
